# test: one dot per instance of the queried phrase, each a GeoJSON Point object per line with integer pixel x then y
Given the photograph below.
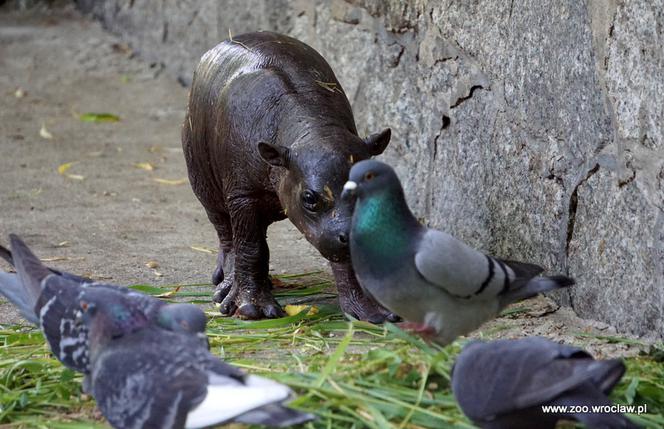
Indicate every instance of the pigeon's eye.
{"type": "Point", "coordinates": [370, 175]}
{"type": "Point", "coordinates": [84, 306]}
{"type": "Point", "coordinates": [310, 200]}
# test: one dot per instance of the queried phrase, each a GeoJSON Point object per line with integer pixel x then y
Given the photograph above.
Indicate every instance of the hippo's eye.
{"type": "Point", "coordinates": [310, 200]}
{"type": "Point", "coordinates": [370, 175]}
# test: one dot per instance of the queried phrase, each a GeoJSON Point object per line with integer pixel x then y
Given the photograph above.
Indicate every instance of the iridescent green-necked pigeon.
{"type": "Point", "coordinates": [438, 284]}
{"type": "Point", "coordinates": [48, 298]}
{"type": "Point", "coordinates": [505, 384]}
{"type": "Point", "coordinates": [147, 377]}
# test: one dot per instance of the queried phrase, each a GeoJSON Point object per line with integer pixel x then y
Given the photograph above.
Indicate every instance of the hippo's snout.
{"type": "Point", "coordinates": [333, 243]}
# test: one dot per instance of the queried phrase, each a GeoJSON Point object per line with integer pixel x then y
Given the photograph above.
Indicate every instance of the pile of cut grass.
{"type": "Point", "coordinates": [351, 374]}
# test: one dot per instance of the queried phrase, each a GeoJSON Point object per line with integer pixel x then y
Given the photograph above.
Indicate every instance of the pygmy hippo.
{"type": "Point", "coordinates": [269, 134]}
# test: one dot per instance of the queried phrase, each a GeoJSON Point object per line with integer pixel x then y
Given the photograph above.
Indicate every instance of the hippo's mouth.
{"type": "Point", "coordinates": [335, 255]}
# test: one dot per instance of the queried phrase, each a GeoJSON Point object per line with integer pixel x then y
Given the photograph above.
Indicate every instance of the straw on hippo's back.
{"type": "Point", "coordinates": [270, 134]}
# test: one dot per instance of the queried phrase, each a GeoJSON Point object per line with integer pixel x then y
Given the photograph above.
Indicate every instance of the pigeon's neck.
{"type": "Point", "coordinates": [384, 226]}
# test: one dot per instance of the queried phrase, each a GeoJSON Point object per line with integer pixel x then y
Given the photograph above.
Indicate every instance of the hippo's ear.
{"type": "Point", "coordinates": [378, 142]}
{"type": "Point", "coordinates": [274, 154]}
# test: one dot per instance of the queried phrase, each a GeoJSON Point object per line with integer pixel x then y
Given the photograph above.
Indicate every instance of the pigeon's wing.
{"type": "Point", "coordinates": [149, 305]}
{"type": "Point", "coordinates": [461, 270]}
{"type": "Point", "coordinates": [234, 396]}
{"type": "Point", "coordinates": [467, 273]}
{"type": "Point", "coordinates": [58, 311]}
{"type": "Point", "coordinates": [507, 375]}
{"type": "Point", "coordinates": [147, 380]}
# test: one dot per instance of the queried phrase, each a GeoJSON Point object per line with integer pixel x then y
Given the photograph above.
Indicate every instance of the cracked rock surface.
{"type": "Point", "coordinates": [534, 131]}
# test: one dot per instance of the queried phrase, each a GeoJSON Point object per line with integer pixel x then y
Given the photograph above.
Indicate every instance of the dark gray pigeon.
{"type": "Point", "coordinates": [504, 384]}
{"type": "Point", "coordinates": [49, 299]}
{"type": "Point", "coordinates": [438, 284]}
{"type": "Point", "coordinates": [146, 377]}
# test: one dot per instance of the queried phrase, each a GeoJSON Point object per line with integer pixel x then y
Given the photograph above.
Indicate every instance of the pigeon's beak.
{"type": "Point", "coordinates": [349, 192]}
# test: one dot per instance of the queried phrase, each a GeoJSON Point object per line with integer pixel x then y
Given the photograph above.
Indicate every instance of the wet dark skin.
{"type": "Point", "coordinates": [270, 134]}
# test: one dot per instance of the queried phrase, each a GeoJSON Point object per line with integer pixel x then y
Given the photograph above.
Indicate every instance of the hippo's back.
{"type": "Point", "coordinates": [251, 51]}
{"type": "Point", "coordinates": [255, 87]}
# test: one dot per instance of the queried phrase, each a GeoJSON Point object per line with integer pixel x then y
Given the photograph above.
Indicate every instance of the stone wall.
{"type": "Point", "coordinates": [533, 130]}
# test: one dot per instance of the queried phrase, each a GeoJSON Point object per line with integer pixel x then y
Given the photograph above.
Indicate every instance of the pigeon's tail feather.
{"type": "Point", "coordinates": [29, 268]}
{"type": "Point", "coordinates": [226, 401]}
{"type": "Point", "coordinates": [523, 270]}
{"type": "Point", "coordinates": [607, 373]}
{"type": "Point", "coordinates": [6, 255]}
{"type": "Point", "coordinates": [606, 421]}
{"type": "Point", "coordinates": [588, 395]}
{"type": "Point", "coordinates": [536, 286]}
{"type": "Point", "coordinates": [13, 290]}
{"type": "Point", "coordinates": [275, 415]}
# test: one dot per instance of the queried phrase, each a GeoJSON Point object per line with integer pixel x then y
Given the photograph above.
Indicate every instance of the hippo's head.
{"type": "Point", "coordinates": [316, 170]}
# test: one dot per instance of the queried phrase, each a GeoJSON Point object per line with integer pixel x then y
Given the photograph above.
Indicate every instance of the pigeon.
{"type": "Point", "coordinates": [143, 376]}
{"type": "Point", "coordinates": [48, 298]}
{"type": "Point", "coordinates": [439, 285]}
{"type": "Point", "coordinates": [504, 384]}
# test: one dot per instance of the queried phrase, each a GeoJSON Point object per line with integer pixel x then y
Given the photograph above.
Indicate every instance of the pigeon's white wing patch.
{"type": "Point", "coordinates": [456, 267]}
{"type": "Point", "coordinates": [228, 400]}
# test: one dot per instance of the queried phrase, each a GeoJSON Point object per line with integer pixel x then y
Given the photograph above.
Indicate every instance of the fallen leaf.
{"type": "Point", "coordinates": [144, 166]}
{"type": "Point", "coordinates": [44, 133]}
{"type": "Point", "coordinates": [61, 258]}
{"type": "Point", "coordinates": [19, 93]}
{"type": "Point", "coordinates": [152, 264]}
{"type": "Point", "coordinates": [169, 293]}
{"type": "Point", "coordinates": [98, 117]}
{"type": "Point", "coordinates": [292, 309]}
{"type": "Point", "coordinates": [171, 182]}
{"type": "Point", "coordinates": [203, 249]}
{"type": "Point", "coordinates": [63, 168]}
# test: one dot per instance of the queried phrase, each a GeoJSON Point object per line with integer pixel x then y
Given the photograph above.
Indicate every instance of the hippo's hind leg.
{"type": "Point", "coordinates": [250, 293]}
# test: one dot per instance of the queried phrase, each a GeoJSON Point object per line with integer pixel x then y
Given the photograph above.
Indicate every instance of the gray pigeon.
{"type": "Point", "coordinates": [438, 284]}
{"type": "Point", "coordinates": [146, 377]}
{"type": "Point", "coordinates": [504, 384]}
{"type": "Point", "coordinates": [49, 299]}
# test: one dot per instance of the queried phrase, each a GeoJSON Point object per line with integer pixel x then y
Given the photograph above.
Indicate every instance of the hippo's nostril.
{"type": "Point", "coordinates": [343, 238]}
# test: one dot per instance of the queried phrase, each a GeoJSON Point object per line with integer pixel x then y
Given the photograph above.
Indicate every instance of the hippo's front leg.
{"type": "Point", "coordinates": [353, 300]}
{"type": "Point", "coordinates": [250, 293]}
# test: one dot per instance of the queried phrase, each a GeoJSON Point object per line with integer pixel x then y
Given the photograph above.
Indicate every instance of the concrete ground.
{"type": "Point", "coordinates": [107, 216]}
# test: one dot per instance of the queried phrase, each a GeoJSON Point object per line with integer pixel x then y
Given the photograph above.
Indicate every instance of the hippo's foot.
{"type": "Point", "coordinates": [364, 307]}
{"type": "Point", "coordinates": [247, 301]}
{"type": "Point", "coordinates": [354, 301]}
{"type": "Point", "coordinates": [225, 267]}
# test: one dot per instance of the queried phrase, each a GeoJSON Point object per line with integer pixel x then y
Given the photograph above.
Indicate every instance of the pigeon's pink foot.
{"type": "Point", "coordinates": [428, 333]}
